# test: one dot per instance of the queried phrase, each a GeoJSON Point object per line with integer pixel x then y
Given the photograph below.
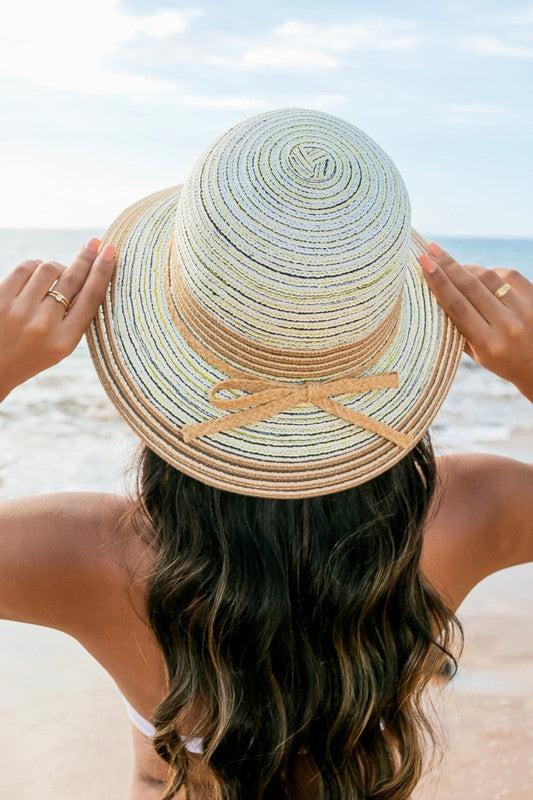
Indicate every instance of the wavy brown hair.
{"type": "Point", "coordinates": [295, 630]}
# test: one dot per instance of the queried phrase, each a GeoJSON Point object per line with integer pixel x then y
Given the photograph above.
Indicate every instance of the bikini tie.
{"type": "Point", "coordinates": [270, 397]}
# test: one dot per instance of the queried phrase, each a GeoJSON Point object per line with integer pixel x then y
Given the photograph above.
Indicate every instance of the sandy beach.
{"type": "Point", "coordinates": [64, 732]}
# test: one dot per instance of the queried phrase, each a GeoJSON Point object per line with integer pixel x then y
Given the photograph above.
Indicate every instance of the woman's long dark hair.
{"type": "Point", "coordinates": [294, 631]}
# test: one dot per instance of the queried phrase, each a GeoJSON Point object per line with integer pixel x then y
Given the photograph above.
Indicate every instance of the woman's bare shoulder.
{"type": "Point", "coordinates": [54, 549]}
{"type": "Point", "coordinates": [67, 562]}
{"type": "Point", "coordinates": [481, 521]}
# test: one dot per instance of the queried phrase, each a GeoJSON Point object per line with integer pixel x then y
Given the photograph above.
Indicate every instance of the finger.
{"type": "Point", "coordinates": [91, 295]}
{"type": "Point", "coordinates": [39, 283]}
{"type": "Point", "coordinates": [18, 278]}
{"type": "Point", "coordinates": [480, 272]}
{"type": "Point", "coordinates": [493, 281]}
{"type": "Point", "coordinates": [72, 279]}
{"type": "Point", "coordinates": [514, 278]}
{"type": "Point", "coordinates": [463, 314]}
{"type": "Point", "coordinates": [468, 350]}
{"type": "Point", "coordinates": [475, 269]}
{"type": "Point", "coordinates": [474, 289]}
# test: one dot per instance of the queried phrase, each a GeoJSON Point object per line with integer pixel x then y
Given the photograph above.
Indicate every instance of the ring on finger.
{"type": "Point", "coordinates": [502, 290]}
{"type": "Point", "coordinates": [60, 298]}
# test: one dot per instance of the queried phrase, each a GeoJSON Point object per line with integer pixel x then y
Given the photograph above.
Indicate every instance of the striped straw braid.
{"type": "Point", "coordinates": [267, 329]}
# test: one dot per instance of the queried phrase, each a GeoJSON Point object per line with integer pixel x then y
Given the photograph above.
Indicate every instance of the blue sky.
{"type": "Point", "coordinates": [102, 103]}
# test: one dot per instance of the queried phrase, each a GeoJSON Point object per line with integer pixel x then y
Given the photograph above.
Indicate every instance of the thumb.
{"type": "Point", "coordinates": [468, 350]}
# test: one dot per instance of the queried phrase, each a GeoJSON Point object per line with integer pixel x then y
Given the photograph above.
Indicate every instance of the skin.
{"type": "Point", "coordinates": [63, 565]}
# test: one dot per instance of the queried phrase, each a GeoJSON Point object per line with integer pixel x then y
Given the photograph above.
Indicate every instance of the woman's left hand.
{"type": "Point", "coordinates": [36, 331]}
{"type": "Point", "coordinates": [493, 309]}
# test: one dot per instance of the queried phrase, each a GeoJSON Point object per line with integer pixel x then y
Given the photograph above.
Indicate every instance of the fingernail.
{"type": "Point", "coordinates": [93, 244]}
{"type": "Point", "coordinates": [435, 250]}
{"type": "Point", "coordinates": [427, 263]}
{"type": "Point", "coordinates": [108, 252]}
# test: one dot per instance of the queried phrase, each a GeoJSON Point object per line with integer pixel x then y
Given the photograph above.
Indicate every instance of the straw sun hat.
{"type": "Point", "coordinates": [267, 329]}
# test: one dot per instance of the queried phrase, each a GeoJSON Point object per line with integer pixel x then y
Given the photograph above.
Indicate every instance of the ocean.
{"type": "Point", "coordinates": [59, 431]}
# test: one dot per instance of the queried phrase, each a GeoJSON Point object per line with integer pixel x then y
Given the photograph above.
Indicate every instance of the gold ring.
{"type": "Point", "coordinates": [59, 297]}
{"type": "Point", "coordinates": [502, 290]}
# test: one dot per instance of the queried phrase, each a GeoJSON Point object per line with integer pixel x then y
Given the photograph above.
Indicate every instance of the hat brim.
{"type": "Point", "coordinates": [158, 382]}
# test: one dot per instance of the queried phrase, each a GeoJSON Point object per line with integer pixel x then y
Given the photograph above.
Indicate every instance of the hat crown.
{"type": "Point", "coordinates": [293, 230]}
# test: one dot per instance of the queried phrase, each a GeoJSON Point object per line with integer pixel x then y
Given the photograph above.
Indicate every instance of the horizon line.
{"type": "Point", "coordinates": [431, 235]}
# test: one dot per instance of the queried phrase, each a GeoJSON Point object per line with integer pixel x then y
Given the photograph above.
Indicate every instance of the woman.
{"type": "Point", "coordinates": [271, 623]}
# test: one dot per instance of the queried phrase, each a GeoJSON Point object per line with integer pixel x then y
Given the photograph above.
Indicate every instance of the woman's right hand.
{"type": "Point", "coordinates": [35, 330]}
{"type": "Point", "coordinates": [498, 331]}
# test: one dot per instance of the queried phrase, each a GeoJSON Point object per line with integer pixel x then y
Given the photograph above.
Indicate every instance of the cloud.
{"type": "Point", "coordinates": [524, 17]}
{"type": "Point", "coordinates": [218, 102]}
{"type": "Point", "coordinates": [510, 18]}
{"type": "Point", "coordinates": [489, 45]}
{"type": "Point", "coordinates": [308, 46]}
{"type": "Point", "coordinates": [66, 45]}
{"type": "Point", "coordinates": [369, 33]}
{"type": "Point", "coordinates": [474, 113]}
{"type": "Point", "coordinates": [277, 57]}
{"type": "Point", "coordinates": [509, 35]}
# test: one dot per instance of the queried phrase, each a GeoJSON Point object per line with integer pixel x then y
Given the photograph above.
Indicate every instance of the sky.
{"type": "Point", "coordinates": [102, 103]}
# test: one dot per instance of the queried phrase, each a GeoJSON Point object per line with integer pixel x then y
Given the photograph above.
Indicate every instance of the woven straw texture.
{"type": "Point", "coordinates": [286, 261]}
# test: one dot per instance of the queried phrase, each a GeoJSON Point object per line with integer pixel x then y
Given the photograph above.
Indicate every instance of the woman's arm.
{"type": "Point", "coordinates": [58, 562]}
{"type": "Point", "coordinates": [47, 542]}
{"type": "Point", "coordinates": [484, 521]}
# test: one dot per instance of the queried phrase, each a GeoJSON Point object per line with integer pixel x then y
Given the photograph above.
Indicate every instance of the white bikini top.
{"type": "Point", "coordinates": [193, 745]}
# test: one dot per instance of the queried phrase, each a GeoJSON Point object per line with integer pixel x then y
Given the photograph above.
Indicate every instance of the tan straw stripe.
{"type": "Point", "coordinates": [201, 326]}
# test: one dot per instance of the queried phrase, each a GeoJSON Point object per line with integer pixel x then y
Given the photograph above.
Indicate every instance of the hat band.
{"type": "Point", "coordinates": [268, 398]}
{"type": "Point", "coordinates": [197, 323]}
